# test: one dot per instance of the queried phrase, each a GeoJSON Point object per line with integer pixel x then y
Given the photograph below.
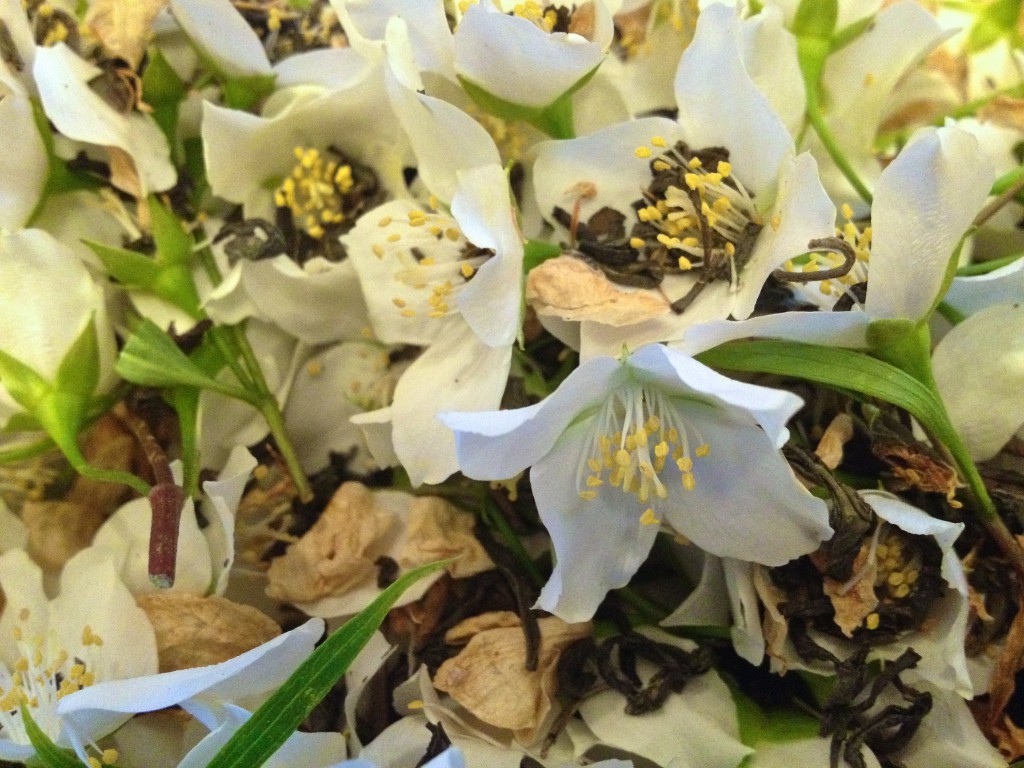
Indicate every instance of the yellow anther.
{"type": "Point", "coordinates": [684, 263]}
{"type": "Point", "coordinates": [724, 168]}
{"type": "Point", "coordinates": [871, 622]}
{"type": "Point", "coordinates": [467, 270]}
{"type": "Point", "coordinates": [622, 458]}
{"type": "Point", "coordinates": [593, 481]}
{"type": "Point", "coordinates": [685, 464]}
{"type": "Point", "coordinates": [689, 482]}
{"type": "Point", "coordinates": [895, 579]}
{"type": "Point", "coordinates": [730, 249]}
{"type": "Point", "coordinates": [408, 313]}
{"type": "Point", "coordinates": [637, 242]}
{"type": "Point", "coordinates": [642, 152]}
{"type": "Point", "coordinates": [378, 250]}
{"type": "Point", "coordinates": [901, 591]}
{"type": "Point", "coordinates": [452, 234]}
{"type": "Point", "coordinates": [110, 756]}
{"type": "Point", "coordinates": [649, 518]}
{"type": "Point", "coordinates": [385, 221]}
{"type": "Point", "coordinates": [694, 163]}
{"type": "Point", "coordinates": [394, 237]}
{"type": "Point", "coordinates": [693, 181]}
{"type": "Point", "coordinates": [660, 165]}
{"type": "Point", "coordinates": [703, 450]}
{"type": "Point", "coordinates": [588, 495]}
{"type": "Point", "coordinates": [658, 141]}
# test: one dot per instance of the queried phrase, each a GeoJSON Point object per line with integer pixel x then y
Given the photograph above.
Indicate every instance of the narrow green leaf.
{"type": "Point", "coordinates": [849, 33]}
{"type": "Point", "coordinates": [151, 358]}
{"type": "Point", "coordinates": [47, 753]}
{"type": "Point", "coordinates": [173, 243]}
{"type": "Point", "coordinates": [843, 369]}
{"type": "Point", "coordinates": [185, 401]}
{"type": "Point", "coordinates": [272, 724]}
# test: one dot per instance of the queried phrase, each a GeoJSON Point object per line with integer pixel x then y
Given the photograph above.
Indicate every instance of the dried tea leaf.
{"type": "Point", "coordinates": [1004, 674]}
{"type": "Point", "coordinates": [1004, 111]}
{"type": "Point", "coordinates": [439, 531]}
{"type": "Point", "coordinates": [837, 434]}
{"type": "Point", "coordinates": [337, 553]}
{"type": "Point", "coordinates": [489, 678]}
{"type": "Point", "coordinates": [57, 530]}
{"type": "Point", "coordinates": [571, 289]}
{"type": "Point", "coordinates": [774, 625]}
{"type": "Point", "coordinates": [123, 173]}
{"type": "Point", "coordinates": [913, 463]}
{"type": "Point", "coordinates": [194, 631]}
{"type": "Point", "coordinates": [124, 26]}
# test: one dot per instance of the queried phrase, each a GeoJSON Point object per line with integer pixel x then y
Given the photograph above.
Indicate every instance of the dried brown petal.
{"type": "Point", "coordinates": [774, 625]}
{"type": "Point", "coordinates": [838, 433]}
{"type": "Point", "coordinates": [490, 680]}
{"type": "Point", "coordinates": [571, 289]}
{"type": "Point", "coordinates": [462, 632]}
{"type": "Point", "coordinates": [193, 631]}
{"type": "Point", "coordinates": [438, 531]}
{"type": "Point", "coordinates": [108, 445]}
{"type": "Point", "coordinates": [337, 553]}
{"type": "Point", "coordinates": [123, 26]}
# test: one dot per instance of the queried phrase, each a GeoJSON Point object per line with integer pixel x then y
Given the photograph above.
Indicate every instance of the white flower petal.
{"type": "Point", "coordinates": [924, 201]}
{"type": "Point", "coordinates": [457, 372]}
{"type": "Point", "coordinates": [93, 709]}
{"type": "Point", "coordinates": [331, 68]}
{"type": "Point", "coordinates": [598, 170]}
{"type": "Point", "coordinates": [317, 303]}
{"type": "Point", "coordinates": [220, 32]}
{"type": "Point", "coordinates": [223, 496]}
{"type": "Point", "coordinates": [949, 735]}
{"type": "Point", "coordinates": [444, 138]}
{"type": "Point", "coordinates": [25, 606]}
{"type": "Point", "coordinates": [491, 303]}
{"type": "Point", "coordinates": [81, 114]}
{"type": "Point", "coordinates": [802, 212]}
{"type": "Point", "coordinates": [599, 544]}
{"type": "Point", "coordinates": [840, 329]}
{"type": "Point", "coordinates": [770, 58]}
{"type": "Point", "coordinates": [1000, 286]}
{"type": "Point", "coordinates": [500, 444]}
{"type": "Point", "coordinates": [499, 53]}
{"type": "Point", "coordinates": [744, 487]}
{"type": "Point", "coordinates": [979, 370]}
{"type": "Point", "coordinates": [721, 106]}
{"type": "Point", "coordinates": [25, 168]}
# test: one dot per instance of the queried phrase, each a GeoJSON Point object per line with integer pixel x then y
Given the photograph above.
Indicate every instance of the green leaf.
{"type": "Point", "coordinates": [164, 91]}
{"type": "Point", "coordinates": [536, 252]}
{"type": "Point", "coordinates": [25, 385]}
{"type": "Point", "coordinates": [151, 358]}
{"type": "Point", "coordinates": [185, 401]}
{"type": "Point", "coordinates": [842, 369]}
{"type": "Point", "coordinates": [79, 371]}
{"type": "Point", "coordinates": [272, 724]}
{"type": "Point", "coordinates": [555, 119]}
{"type": "Point", "coordinates": [246, 92]}
{"type": "Point", "coordinates": [47, 753]}
{"type": "Point", "coordinates": [173, 243]}
{"type": "Point", "coordinates": [130, 268]}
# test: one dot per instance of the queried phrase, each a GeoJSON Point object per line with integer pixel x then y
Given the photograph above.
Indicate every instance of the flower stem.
{"type": "Point", "coordinates": [817, 120]}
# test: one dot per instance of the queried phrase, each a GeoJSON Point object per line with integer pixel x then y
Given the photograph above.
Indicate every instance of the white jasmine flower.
{"type": "Point", "coordinates": [757, 206]}
{"type": "Point", "coordinates": [924, 201]}
{"type": "Point", "coordinates": [622, 446]}
{"type": "Point", "coordinates": [24, 170]}
{"type": "Point", "coordinates": [92, 631]}
{"type": "Point", "coordinates": [217, 29]}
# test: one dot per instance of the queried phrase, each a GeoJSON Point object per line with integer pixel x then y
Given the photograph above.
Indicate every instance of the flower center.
{"type": "Point", "coordinates": [325, 192]}
{"type": "Point", "coordinates": [435, 260]}
{"type": "Point", "coordinates": [42, 675]}
{"type": "Point", "coordinates": [638, 442]}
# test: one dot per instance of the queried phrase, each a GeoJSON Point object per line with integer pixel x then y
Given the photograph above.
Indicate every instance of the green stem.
{"type": "Point", "coordinates": [85, 469]}
{"type": "Point", "coordinates": [24, 452]}
{"type": "Point", "coordinates": [950, 312]}
{"type": "Point", "coordinates": [275, 421]}
{"type": "Point", "coordinates": [971, 108]}
{"type": "Point", "coordinates": [984, 267]}
{"type": "Point", "coordinates": [651, 612]}
{"type": "Point", "coordinates": [817, 120]}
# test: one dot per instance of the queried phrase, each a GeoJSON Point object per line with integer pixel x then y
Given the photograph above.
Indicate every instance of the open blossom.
{"type": "Point", "coordinates": [696, 212]}
{"type": "Point", "coordinates": [624, 445]}
{"type": "Point", "coordinates": [91, 632]}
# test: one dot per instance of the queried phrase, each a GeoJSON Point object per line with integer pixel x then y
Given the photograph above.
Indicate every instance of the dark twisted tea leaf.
{"type": "Point", "coordinates": [251, 240]}
{"type": "Point", "coordinates": [439, 742]}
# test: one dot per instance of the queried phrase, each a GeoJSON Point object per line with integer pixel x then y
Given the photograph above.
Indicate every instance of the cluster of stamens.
{"type": "Point", "coordinates": [898, 569]}
{"type": "Point", "coordinates": [42, 676]}
{"type": "Point", "coordinates": [637, 439]}
{"type": "Point", "coordinates": [435, 258]}
{"type": "Point", "coordinates": [315, 191]}
{"type": "Point", "coordinates": [696, 214]}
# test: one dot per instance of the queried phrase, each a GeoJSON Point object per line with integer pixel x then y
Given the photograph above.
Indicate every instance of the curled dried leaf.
{"type": "Point", "coordinates": [193, 631]}
{"type": "Point", "coordinates": [489, 678]}
{"type": "Point", "coordinates": [437, 531]}
{"type": "Point", "coordinates": [837, 434]}
{"type": "Point", "coordinates": [569, 288]}
{"type": "Point", "coordinates": [338, 552]}
{"type": "Point", "coordinates": [123, 26]}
